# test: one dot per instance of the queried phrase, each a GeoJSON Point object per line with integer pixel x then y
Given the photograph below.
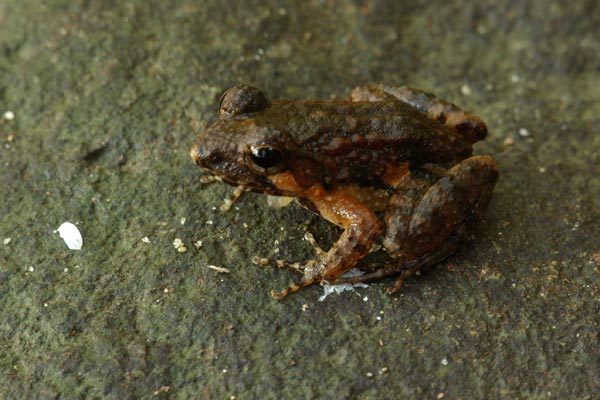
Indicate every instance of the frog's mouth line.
{"type": "Point", "coordinates": [265, 187]}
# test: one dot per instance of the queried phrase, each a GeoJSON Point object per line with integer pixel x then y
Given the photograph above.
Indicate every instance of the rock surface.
{"type": "Point", "coordinates": [99, 104]}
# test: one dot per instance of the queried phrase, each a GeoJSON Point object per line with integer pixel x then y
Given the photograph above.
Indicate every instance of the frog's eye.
{"type": "Point", "coordinates": [266, 157]}
{"type": "Point", "coordinates": [242, 99]}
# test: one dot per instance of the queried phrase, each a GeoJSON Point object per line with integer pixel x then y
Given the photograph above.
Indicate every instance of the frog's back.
{"type": "Point", "coordinates": [369, 133]}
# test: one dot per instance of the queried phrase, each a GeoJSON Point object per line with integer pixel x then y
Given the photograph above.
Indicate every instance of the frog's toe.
{"type": "Point", "coordinates": [229, 201]}
{"type": "Point", "coordinates": [299, 267]}
{"type": "Point", "coordinates": [294, 287]}
{"type": "Point", "coordinates": [311, 239]}
{"type": "Point", "coordinates": [398, 283]}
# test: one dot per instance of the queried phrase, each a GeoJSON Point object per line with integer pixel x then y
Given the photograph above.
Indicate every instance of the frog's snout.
{"type": "Point", "coordinates": [211, 158]}
{"type": "Point", "coordinates": [204, 157]}
{"type": "Point", "coordinates": [196, 155]}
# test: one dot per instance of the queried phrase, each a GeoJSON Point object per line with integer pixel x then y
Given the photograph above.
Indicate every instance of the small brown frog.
{"type": "Point", "coordinates": [387, 149]}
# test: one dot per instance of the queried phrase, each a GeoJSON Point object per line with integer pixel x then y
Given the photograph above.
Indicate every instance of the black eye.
{"type": "Point", "coordinates": [266, 157]}
{"type": "Point", "coordinates": [242, 99]}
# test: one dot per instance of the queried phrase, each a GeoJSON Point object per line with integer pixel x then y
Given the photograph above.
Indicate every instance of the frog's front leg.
{"type": "Point", "coordinates": [361, 229]}
{"type": "Point", "coordinates": [299, 267]}
{"type": "Point", "coordinates": [229, 201]}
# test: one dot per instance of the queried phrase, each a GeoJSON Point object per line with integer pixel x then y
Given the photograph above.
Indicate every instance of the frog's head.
{"type": "Point", "coordinates": [245, 147]}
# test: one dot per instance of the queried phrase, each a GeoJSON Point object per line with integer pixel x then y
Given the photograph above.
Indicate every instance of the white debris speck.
{"type": "Point", "coordinates": [71, 235]}
{"type": "Point", "coordinates": [279, 201]}
{"type": "Point", "coordinates": [182, 221]}
{"type": "Point", "coordinates": [198, 244]}
{"type": "Point", "coordinates": [329, 289]}
{"type": "Point", "coordinates": [30, 269]}
{"type": "Point", "coordinates": [514, 78]}
{"type": "Point", "coordinates": [366, 298]}
{"type": "Point", "coordinates": [145, 239]}
{"type": "Point", "coordinates": [524, 132]}
{"type": "Point", "coordinates": [304, 307]}
{"type": "Point", "coordinates": [218, 269]}
{"type": "Point", "coordinates": [369, 374]}
{"type": "Point", "coordinates": [465, 89]}
{"type": "Point", "coordinates": [66, 270]}
{"type": "Point", "coordinates": [444, 361]}
{"type": "Point", "coordinates": [178, 244]}
{"type": "Point", "coordinates": [8, 115]}
{"type": "Point", "coordinates": [509, 141]}
{"type": "Point", "coordinates": [6, 240]}
{"type": "Point", "coordinates": [209, 222]}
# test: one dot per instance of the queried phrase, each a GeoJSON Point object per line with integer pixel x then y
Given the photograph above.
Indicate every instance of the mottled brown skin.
{"type": "Point", "coordinates": [392, 149]}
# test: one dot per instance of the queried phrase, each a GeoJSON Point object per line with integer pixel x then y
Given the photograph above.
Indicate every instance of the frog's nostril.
{"type": "Point", "coordinates": [211, 159]}
{"type": "Point", "coordinates": [202, 156]}
{"type": "Point", "coordinates": [198, 154]}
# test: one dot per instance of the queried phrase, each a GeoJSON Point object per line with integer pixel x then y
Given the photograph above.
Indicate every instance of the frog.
{"type": "Point", "coordinates": [392, 166]}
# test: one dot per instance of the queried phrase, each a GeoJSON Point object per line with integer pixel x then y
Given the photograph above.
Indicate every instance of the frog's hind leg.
{"type": "Point", "coordinates": [378, 271]}
{"type": "Point", "coordinates": [468, 125]}
{"type": "Point", "coordinates": [426, 226]}
{"type": "Point", "coordinates": [403, 270]}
